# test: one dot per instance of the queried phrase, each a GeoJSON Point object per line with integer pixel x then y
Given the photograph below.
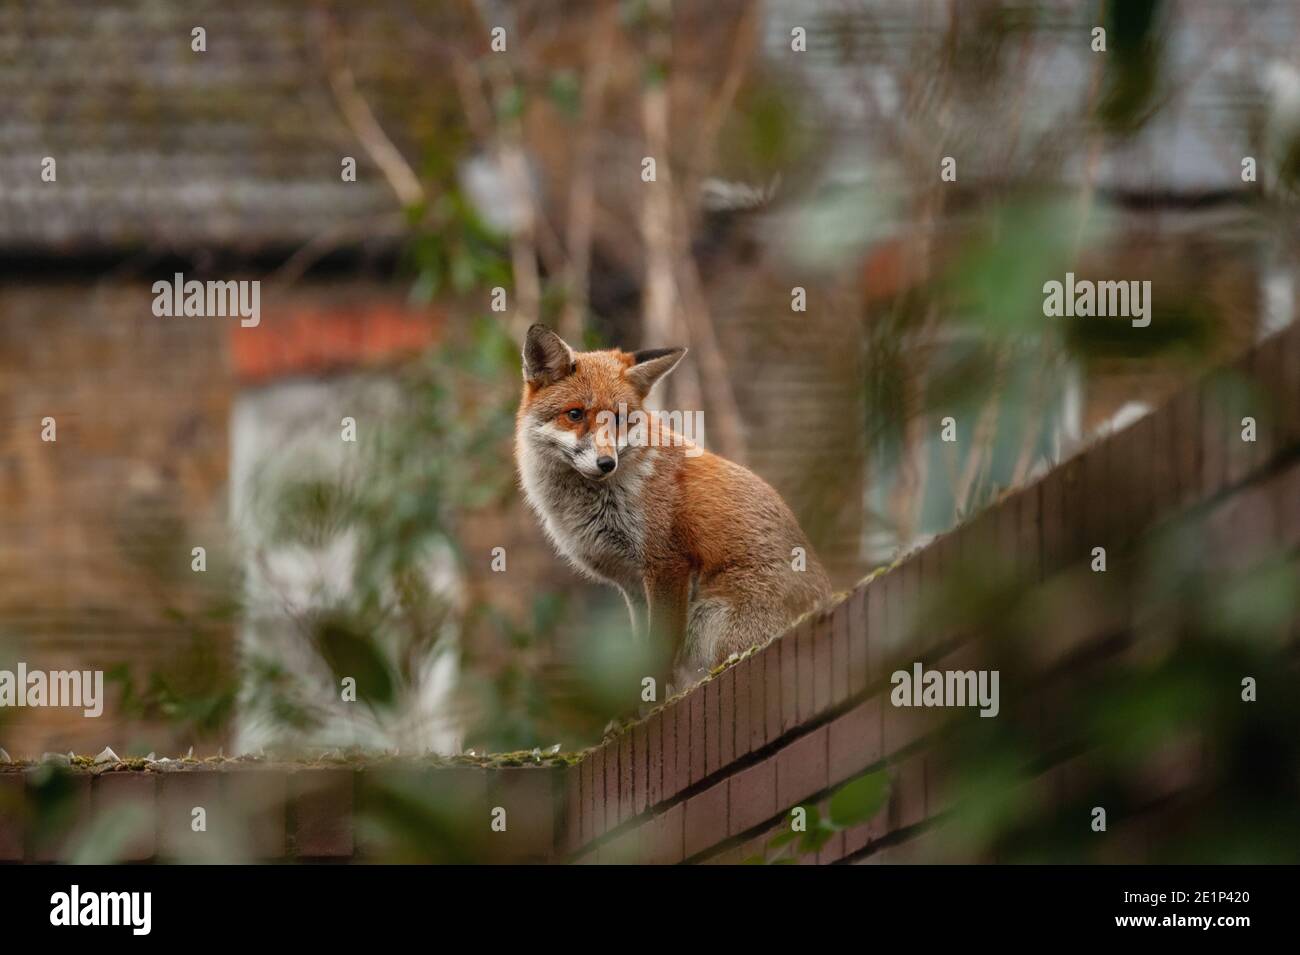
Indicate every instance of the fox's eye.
{"type": "Point", "coordinates": [575, 414]}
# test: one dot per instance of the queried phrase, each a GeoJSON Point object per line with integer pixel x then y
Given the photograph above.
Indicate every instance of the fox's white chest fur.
{"type": "Point", "coordinates": [598, 526]}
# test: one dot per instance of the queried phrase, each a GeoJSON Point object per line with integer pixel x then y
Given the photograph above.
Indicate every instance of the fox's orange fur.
{"type": "Point", "coordinates": [704, 551]}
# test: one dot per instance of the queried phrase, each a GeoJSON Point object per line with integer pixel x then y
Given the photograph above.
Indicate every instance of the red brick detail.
{"type": "Point", "coordinates": [801, 769]}
{"type": "Point", "coordinates": [858, 638]}
{"type": "Point", "coordinates": [741, 684]}
{"type": "Point", "coordinates": [839, 625]}
{"type": "Point", "coordinates": [598, 819]}
{"type": "Point", "coordinates": [664, 838]}
{"type": "Point", "coordinates": [612, 771]}
{"type": "Point", "coordinates": [712, 725]}
{"type": "Point", "coordinates": [753, 796]}
{"type": "Point", "coordinates": [774, 686]}
{"type": "Point", "coordinates": [806, 665]}
{"type": "Point", "coordinates": [821, 636]}
{"type": "Point", "coordinates": [697, 739]}
{"type": "Point", "coordinates": [706, 818]}
{"type": "Point", "coordinates": [682, 736]}
{"type": "Point", "coordinates": [640, 767]}
{"type": "Point", "coordinates": [310, 341]}
{"type": "Point", "coordinates": [654, 788]}
{"type": "Point", "coordinates": [590, 811]}
{"type": "Point", "coordinates": [855, 740]}
{"type": "Point", "coordinates": [726, 681]}
{"type": "Point", "coordinates": [788, 647]}
{"type": "Point", "coordinates": [626, 778]}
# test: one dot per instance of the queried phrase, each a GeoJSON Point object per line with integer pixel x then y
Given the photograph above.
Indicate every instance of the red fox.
{"type": "Point", "coordinates": [708, 557]}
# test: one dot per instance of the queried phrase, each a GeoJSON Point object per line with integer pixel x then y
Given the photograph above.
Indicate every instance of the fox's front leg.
{"type": "Point", "coordinates": [666, 599]}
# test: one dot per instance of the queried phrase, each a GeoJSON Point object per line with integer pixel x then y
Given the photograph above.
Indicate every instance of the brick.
{"type": "Point", "coordinates": [133, 799]}
{"type": "Point", "coordinates": [684, 744]}
{"type": "Point", "coordinates": [911, 599]}
{"type": "Point", "coordinates": [839, 639]}
{"type": "Point", "coordinates": [875, 608]}
{"type": "Point", "coordinates": [773, 691]}
{"type": "Point", "coordinates": [698, 739]}
{"type": "Point", "coordinates": [753, 796]}
{"type": "Point", "coordinates": [712, 725]}
{"type": "Point", "coordinates": [726, 681]}
{"type": "Point", "coordinates": [668, 754]}
{"type": "Point", "coordinates": [640, 771]}
{"type": "Point", "coordinates": [598, 824]}
{"type": "Point", "coordinates": [568, 837]}
{"type": "Point", "coordinates": [854, 741]}
{"type": "Point", "coordinates": [13, 811]}
{"type": "Point", "coordinates": [893, 625]}
{"type": "Point", "coordinates": [179, 793]}
{"type": "Point", "coordinates": [789, 649]}
{"type": "Point", "coordinates": [858, 638]}
{"type": "Point", "coordinates": [741, 682]}
{"type": "Point", "coordinates": [822, 635]}
{"type": "Point", "coordinates": [256, 800]}
{"type": "Point", "coordinates": [801, 769]}
{"type": "Point", "coordinates": [806, 669]}
{"type": "Point", "coordinates": [664, 844]}
{"type": "Point", "coordinates": [705, 822]}
{"type": "Point", "coordinates": [612, 775]}
{"type": "Point", "coordinates": [626, 848]}
{"type": "Point", "coordinates": [905, 725]}
{"type": "Point", "coordinates": [654, 730]}
{"type": "Point", "coordinates": [626, 778]}
{"type": "Point", "coordinates": [590, 812]}
{"type": "Point", "coordinates": [321, 806]}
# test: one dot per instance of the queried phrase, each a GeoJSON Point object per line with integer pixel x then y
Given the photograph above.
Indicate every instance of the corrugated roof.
{"type": "Point", "coordinates": [157, 145]}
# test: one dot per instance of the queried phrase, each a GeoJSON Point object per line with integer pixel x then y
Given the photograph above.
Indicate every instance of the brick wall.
{"type": "Point", "coordinates": [712, 775]}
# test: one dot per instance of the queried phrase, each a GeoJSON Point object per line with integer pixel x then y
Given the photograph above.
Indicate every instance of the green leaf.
{"type": "Point", "coordinates": [859, 800]}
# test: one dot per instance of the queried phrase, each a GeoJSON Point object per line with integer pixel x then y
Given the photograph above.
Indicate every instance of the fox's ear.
{"type": "Point", "coordinates": [547, 358]}
{"type": "Point", "coordinates": [651, 364]}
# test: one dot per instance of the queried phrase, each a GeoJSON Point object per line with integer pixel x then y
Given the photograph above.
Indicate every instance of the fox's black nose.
{"type": "Point", "coordinates": [606, 464]}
